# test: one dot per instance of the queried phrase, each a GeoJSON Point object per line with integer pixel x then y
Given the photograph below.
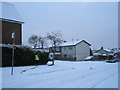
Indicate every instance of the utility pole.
{"type": "Point", "coordinates": [13, 47]}
{"type": "Point", "coordinates": [12, 61]}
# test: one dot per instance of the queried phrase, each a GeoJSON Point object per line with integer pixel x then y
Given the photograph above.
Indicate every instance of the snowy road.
{"type": "Point", "coordinates": [63, 74]}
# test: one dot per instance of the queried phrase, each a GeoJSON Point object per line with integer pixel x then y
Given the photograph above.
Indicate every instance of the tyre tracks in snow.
{"type": "Point", "coordinates": [77, 77]}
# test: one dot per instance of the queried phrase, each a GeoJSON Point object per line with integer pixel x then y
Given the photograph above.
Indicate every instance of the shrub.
{"type": "Point", "coordinates": [23, 56]}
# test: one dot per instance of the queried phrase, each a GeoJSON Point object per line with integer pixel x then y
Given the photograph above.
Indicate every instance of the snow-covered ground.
{"type": "Point", "coordinates": [64, 74]}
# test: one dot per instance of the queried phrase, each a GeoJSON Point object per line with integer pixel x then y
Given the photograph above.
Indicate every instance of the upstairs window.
{"type": "Point", "coordinates": [70, 48]}
{"type": "Point", "coordinates": [57, 48]}
{"type": "Point", "coordinates": [65, 48]}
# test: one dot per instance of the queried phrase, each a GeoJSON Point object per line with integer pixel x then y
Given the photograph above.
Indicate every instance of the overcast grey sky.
{"type": "Point", "coordinates": [95, 22]}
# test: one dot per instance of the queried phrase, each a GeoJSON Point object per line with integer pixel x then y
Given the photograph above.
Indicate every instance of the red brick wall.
{"type": "Point", "coordinates": [7, 29]}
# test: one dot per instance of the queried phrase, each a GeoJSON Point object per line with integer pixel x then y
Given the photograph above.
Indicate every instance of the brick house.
{"type": "Point", "coordinates": [11, 22]}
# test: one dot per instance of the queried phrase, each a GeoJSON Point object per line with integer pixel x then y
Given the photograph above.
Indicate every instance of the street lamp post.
{"type": "Point", "coordinates": [12, 61]}
{"type": "Point", "coordinates": [13, 47]}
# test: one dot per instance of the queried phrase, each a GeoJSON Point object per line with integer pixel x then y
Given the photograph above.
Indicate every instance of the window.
{"type": "Point", "coordinates": [64, 48]}
{"type": "Point", "coordinates": [70, 47]}
{"type": "Point", "coordinates": [57, 48]}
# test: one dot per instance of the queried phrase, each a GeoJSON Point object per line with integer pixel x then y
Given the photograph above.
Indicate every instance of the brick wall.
{"type": "Point", "coordinates": [7, 29]}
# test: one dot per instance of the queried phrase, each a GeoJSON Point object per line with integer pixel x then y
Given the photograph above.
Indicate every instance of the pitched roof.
{"type": "Point", "coordinates": [10, 13]}
{"type": "Point", "coordinates": [73, 43]}
{"type": "Point", "coordinates": [106, 50]}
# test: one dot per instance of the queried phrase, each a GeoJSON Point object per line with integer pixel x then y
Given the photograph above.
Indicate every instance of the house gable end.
{"type": "Point", "coordinates": [84, 42]}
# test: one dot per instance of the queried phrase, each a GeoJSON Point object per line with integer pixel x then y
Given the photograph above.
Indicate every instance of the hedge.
{"type": "Point", "coordinates": [23, 56]}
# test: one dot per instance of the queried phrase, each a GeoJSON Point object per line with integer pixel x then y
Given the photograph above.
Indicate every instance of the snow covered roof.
{"type": "Point", "coordinates": [117, 51]}
{"type": "Point", "coordinates": [10, 13]}
{"type": "Point", "coordinates": [6, 45]}
{"type": "Point", "coordinates": [96, 54]}
{"type": "Point", "coordinates": [104, 54]}
{"type": "Point", "coordinates": [69, 43]}
{"type": "Point", "coordinates": [73, 43]}
{"type": "Point", "coordinates": [108, 50]}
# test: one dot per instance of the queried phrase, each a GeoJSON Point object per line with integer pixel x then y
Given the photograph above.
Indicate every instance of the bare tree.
{"type": "Point", "coordinates": [42, 41]}
{"type": "Point", "coordinates": [33, 40]}
{"type": "Point", "coordinates": [55, 38]}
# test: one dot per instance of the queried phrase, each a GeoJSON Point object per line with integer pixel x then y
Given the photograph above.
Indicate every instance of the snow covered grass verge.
{"type": "Point", "coordinates": [64, 74]}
